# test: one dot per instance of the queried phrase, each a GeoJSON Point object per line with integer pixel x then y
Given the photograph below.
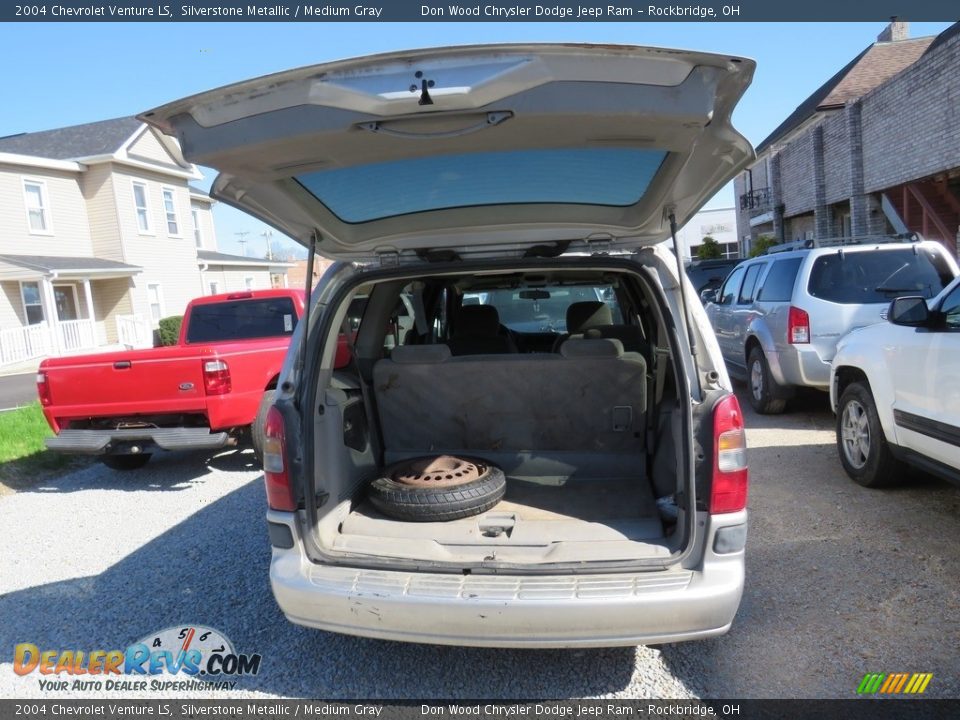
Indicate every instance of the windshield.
{"type": "Point", "coordinates": [242, 320]}
{"type": "Point", "coordinates": [710, 276]}
{"type": "Point", "coordinates": [878, 276]}
{"type": "Point", "coordinates": [547, 310]}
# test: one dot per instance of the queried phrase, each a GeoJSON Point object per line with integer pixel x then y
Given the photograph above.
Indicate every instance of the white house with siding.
{"type": "Point", "coordinates": [101, 236]}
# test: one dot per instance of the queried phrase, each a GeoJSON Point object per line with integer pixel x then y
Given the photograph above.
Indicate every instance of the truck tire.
{"type": "Point", "coordinates": [259, 422]}
{"type": "Point", "coordinates": [437, 504]}
{"type": "Point", "coordinates": [763, 388]}
{"type": "Point", "coordinates": [125, 462]}
{"type": "Point", "coordinates": [861, 444]}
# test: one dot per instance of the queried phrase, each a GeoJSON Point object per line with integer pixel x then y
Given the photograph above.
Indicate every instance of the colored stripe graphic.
{"type": "Point", "coordinates": [894, 683]}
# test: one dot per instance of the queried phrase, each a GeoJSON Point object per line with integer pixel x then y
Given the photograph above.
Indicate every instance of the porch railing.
{"type": "Point", "coordinates": [77, 334]}
{"type": "Point", "coordinates": [134, 332]}
{"type": "Point", "coordinates": [25, 343]}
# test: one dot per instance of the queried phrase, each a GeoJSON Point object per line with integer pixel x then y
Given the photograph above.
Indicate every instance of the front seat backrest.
{"type": "Point", "coordinates": [477, 332]}
{"type": "Point", "coordinates": [581, 316]}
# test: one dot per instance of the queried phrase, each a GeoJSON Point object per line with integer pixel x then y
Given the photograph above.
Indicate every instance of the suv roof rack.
{"type": "Point", "coordinates": [909, 237]}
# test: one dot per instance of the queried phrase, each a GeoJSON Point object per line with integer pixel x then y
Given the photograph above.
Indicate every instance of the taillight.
{"type": "Point", "coordinates": [728, 493]}
{"type": "Point", "coordinates": [216, 377]}
{"type": "Point", "coordinates": [43, 388]}
{"type": "Point", "coordinates": [275, 473]}
{"type": "Point", "coordinates": [798, 326]}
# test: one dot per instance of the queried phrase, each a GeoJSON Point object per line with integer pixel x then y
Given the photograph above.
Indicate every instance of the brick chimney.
{"type": "Point", "coordinates": [896, 30]}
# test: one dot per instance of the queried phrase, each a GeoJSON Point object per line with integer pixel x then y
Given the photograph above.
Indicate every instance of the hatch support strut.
{"type": "Point", "coordinates": [305, 320]}
{"type": "Point", "coordinates": [683, 294]}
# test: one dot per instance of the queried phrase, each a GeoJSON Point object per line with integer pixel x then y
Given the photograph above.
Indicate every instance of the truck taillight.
{"type": "Point", "coordinates": [798, 326]}
{"type": "Point", "coordinates": [728, 492]}
{"type": "Point", "coordinates": [275, 472]}
{"type": "Point", "coordinates": [43, 388]}
{"type": "Point", "coordinates": [216, 377]}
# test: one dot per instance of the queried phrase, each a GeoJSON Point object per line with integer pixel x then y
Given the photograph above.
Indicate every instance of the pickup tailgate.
{"type": "Point", "coordinates": [138, 382]}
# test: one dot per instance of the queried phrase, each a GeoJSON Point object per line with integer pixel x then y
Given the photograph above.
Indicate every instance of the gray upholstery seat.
{"type": "Point", "coordinates": [589, 399]}
{"type": "Point", "coordinates": [594, 320]}
{"type": "Point", "coordinates": [583, 315]}
{"type": "Point", "coordinates": [477, 332]}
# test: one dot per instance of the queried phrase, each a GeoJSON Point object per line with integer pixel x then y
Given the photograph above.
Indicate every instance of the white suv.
{"type": "Point", "coordinates": [895, 388]}
{"type": "Point", "coordinates": [561, 464]}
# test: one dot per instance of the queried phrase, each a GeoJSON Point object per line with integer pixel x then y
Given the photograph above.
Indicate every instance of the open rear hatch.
{"type": "Point", "coordinates": [488, 149]}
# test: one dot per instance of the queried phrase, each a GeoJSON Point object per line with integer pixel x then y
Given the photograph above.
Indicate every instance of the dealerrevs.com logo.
{"type": "Point", "coordinates": [201, 658]}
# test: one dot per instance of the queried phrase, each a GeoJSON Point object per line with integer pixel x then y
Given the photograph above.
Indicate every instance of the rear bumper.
{"type": "Point", "coordinates": [106, 442]}
{"type": "Point", "coordinates": [800, 366]}
{"type": "Point", "coordinates": [568, 610]}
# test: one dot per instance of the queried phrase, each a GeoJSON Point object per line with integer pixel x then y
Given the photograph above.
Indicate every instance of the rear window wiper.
{"type": "Point", "coordinates": [882, 289]}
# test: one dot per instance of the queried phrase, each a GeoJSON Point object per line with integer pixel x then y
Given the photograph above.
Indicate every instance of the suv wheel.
{"type": "Point", "coordinates": [864, 451]}
{"type": "Point", "coordinates": [763, 388]}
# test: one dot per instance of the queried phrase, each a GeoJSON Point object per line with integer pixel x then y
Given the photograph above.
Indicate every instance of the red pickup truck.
{"type": "Point", "coordinates": [201, 393]}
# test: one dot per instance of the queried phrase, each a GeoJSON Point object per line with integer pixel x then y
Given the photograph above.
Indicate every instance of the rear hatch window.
{"type": "Point", "coordinates": [242, 320]}
{"type": "Point", "coordinates": [878, 276]}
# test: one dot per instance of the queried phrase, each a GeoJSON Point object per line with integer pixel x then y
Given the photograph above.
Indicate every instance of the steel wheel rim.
{"type": "Point", "coordinates": [855, 434]}
{"type": "Point", "coordinates": [756, 380]}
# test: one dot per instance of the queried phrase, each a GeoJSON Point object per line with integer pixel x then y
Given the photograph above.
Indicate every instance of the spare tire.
{"type": "Point", "coordinates": [434, 489]}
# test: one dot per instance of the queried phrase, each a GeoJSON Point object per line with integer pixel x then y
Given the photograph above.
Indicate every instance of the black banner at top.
{"type": "Point", "coordinates": [474, 11]}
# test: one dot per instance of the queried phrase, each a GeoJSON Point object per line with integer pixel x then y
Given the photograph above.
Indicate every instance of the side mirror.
{"type": "Point", "coordinates": [911, 311]}
{"type": "Point", "coordinates": [709, 296]}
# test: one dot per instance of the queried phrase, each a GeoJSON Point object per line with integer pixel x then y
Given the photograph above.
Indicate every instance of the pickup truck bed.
{"type": "Point", "coordinates": [201, 393]}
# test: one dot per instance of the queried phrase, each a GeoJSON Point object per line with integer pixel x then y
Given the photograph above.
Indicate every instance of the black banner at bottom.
{"type": "Point", "coordinates": [854, 709]}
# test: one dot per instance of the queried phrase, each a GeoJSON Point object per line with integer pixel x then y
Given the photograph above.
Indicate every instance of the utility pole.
{"type": "Point", "coordinates": [243, 242]}
{"type": "Point", "coordinates": [268, 235]}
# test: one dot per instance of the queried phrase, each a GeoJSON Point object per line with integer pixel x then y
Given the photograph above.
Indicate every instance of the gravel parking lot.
{"type": "Point", "coordinates": [841, 581]}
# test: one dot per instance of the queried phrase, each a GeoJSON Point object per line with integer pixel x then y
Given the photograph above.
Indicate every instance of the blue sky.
{"type": "Point", "coordinates": [77, 73]}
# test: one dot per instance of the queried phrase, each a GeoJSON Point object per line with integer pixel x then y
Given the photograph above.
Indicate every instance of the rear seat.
{"type": "Point", "coordinates": [591, 398]}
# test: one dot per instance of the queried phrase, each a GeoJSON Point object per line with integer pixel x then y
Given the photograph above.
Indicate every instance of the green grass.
{"type": "Point", "coordinates": [24, 460]}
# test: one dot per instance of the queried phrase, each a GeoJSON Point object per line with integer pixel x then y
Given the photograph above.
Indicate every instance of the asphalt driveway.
{"type": "Point", "coordinates": [17, 390]}
{"type": "Point", "coordinates": [841, 581]}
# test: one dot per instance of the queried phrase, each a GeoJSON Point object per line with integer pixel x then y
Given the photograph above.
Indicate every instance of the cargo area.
{"type": "Point", "coordinates": [586, 433]}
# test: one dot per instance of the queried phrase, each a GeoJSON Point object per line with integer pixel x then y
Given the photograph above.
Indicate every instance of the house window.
{"type": "Point", "coordinates": [197, 237]}
{"type": "Point", "coordinates": [155, 296]}
{"type": "Point", "coordinates": [31, 302]}
{"type": "Point", "coordinates": [214, 287]}
{"type": "Point", "coordinates": [35, 194]}
{"type": "Point", "coordinates": [248, 281]}
{"type": "Point", "coordinates": [143, 209]}
{"type": "Point", "coordinates": [170, 210]}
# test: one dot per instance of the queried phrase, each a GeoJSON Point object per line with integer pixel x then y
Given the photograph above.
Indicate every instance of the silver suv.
{"type": "Point", "coordinates": [778, 317]}
{"type": "Point", "coordinates": [549, 453]}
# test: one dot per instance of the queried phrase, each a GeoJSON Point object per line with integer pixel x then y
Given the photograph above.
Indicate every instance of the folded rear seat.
{"type": "Point", "coordinates": [589, 399]}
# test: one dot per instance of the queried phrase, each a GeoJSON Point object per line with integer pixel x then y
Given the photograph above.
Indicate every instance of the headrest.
{"type": "Point", "coordinates": [582, 347]}
{"type": "Point", "coordinates": [583, 315]}
{"type": "Point", "coordinates": [414, 354]}
{"type": "Point", "coordinates": [481, 320]}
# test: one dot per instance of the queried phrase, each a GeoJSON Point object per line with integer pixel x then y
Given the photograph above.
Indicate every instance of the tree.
{"type": "Point", "coordinates": [709, 249]}
{"type": "Point", "coordinates": [762, 244]}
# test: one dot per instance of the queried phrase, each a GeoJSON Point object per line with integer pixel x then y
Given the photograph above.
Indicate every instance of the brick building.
{"type": "Point", "coordinates": [876, 149]}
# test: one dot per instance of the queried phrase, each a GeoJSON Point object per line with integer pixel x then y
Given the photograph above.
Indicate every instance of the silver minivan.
{"type": "Point", "coordinates": [551, 454]}
{"type": "Point", "coordinates": [778, 317]}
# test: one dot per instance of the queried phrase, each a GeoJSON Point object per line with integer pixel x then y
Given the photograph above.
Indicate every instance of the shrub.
{"type": "Point", "coordinates": [761, 245]}
{"type": "Point", "coordinates": [170, 329]}
{"type": "Point", "coordinates": [709, 249]}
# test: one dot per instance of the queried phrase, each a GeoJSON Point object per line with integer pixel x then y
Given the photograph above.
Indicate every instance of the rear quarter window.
{"type": "Point", "coordinates": [878, 276]}
{"type": "Point", "coordinates": [241, 320]}
{"type": "Point", "coordinates": [778, 285]}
